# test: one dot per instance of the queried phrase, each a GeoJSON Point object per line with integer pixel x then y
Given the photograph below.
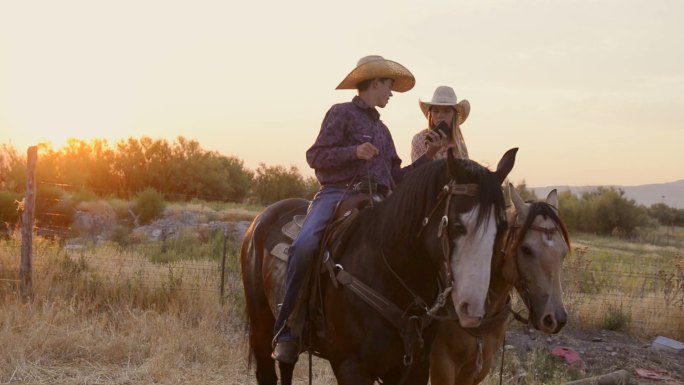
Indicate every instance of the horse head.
{"type": "Point", "coordinates": [471, 212]}
{"type": "Point", "coordinates": [534, 259]}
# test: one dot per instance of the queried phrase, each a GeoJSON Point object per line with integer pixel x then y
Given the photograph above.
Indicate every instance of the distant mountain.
{"type": "Point", "coordinates": [672, 194]}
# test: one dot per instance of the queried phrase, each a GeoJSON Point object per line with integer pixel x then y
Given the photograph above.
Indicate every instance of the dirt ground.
{"type": "Point", "coordinates": [606, 351]}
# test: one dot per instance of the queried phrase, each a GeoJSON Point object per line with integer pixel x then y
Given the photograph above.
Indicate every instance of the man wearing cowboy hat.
{"type": "Point", "coordinates": [443, 108]}
{"type": "Point", "coordinates": [353, 145]}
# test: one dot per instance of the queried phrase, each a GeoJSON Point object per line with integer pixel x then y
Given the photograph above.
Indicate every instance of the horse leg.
{"type": "Point", "coordinates": [261, 336]}
{"type": "Point", "coordinates": [443, 367]}
{"type": "Point", "coordinates": [286, 371]}
{"type": "Point", "coordinates": [349, 372]}
{"type": "Point", "coordinates": [265, 365]}
{"type": "Point", "coordinates": [418, 375]}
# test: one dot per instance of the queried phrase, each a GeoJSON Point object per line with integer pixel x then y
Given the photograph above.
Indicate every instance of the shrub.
{"type": "Point", "coordinates": [47, 198]}
{"type": "Point", "coordinates": [149, 205]}
{"type": "Point", "coordinates": [121, 235]}
{"type": "Point", "coordinates": [8, 210]}
{"type": "Point", "coordinates": [603, 211]}
{"type": "Point", "coordinates": [525, 193]}
{"type": "Point", "coordinates": [275, 183]}
{"type": "Point", "coordinates": [53, 211]}
{"type": "Point", "coordinates": [616, 318]}
{"type": "Point", "coordinates": [84, 195]}
{"type": "Point", "coordinates": [94, 218]}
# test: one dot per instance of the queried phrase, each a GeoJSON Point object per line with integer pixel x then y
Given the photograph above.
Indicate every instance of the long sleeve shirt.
{"type": "Point", "coordinates": [418, 147]}
{"type": "Point", "coordinates": [346, 126]}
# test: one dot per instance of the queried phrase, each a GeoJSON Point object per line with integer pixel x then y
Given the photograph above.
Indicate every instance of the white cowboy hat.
{"type": "Point", "coordinates": [374, 66]}
{"type": "Point", "coordinates": [445, 96]}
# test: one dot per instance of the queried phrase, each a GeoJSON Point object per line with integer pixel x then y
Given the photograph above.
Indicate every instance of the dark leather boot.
{"type": "Point", "coordinates": [286, 350]}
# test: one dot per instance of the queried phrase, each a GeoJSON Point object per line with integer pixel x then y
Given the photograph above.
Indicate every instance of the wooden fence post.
{"type": "Point", "coordinates": [25, 278]}
{"type": "Point", "coordinates": [223, 260]}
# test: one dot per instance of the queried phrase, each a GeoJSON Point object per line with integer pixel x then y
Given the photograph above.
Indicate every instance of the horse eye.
{"type": "Point", "coordinates": [526, 250]}
{"type": "Point", "coordinates": [457, 228]}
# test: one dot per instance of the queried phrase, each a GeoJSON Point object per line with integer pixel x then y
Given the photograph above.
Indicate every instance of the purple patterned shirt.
{"type": "Point", "coordinates": [345, 126]}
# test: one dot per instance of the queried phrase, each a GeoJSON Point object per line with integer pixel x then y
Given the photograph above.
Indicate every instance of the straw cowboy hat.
{"type": "Point", "coordinates": [374, 66]}
{"type": "Point", "coordinates": [445, 96]}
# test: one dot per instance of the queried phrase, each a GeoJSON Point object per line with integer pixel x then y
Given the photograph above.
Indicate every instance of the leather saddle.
{"type": "Point", "coordinates": [347, 209]}
{"type": "Point", "coordinates": [307, 311]}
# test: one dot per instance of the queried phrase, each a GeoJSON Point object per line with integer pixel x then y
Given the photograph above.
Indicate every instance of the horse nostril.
{"type": "Point", "coordinates": [562, 320]}
{"type": "Point", "coordinates": [463, 308]}
{"type": "Point", "coordinates": [549, 322]}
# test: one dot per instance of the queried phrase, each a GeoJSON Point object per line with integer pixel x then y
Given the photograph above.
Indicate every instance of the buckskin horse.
{"type": "Point", "coordinates": [433, 234]}
{"type": "Point", "coordinates": [536, 244]}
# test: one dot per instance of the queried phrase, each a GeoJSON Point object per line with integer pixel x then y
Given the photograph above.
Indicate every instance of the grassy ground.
{"type": "Point", "coordinates": [116, 315]}
{"type": "Point", "coordinates": [103, 316]}
{"type": "Point", "coordinates": [632, 287]}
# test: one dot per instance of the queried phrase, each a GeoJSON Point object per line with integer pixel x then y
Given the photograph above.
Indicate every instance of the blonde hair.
{"type": "Point", "coordinates": [460, 149]}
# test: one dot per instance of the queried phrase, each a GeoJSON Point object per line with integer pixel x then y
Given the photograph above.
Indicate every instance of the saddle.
{"type": "Point", "coordinates": [308, 310]}
{"type": "Point", "coordinates": [346, 209]}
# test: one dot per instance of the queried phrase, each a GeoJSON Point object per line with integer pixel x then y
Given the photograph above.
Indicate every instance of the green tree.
{"type": "Point", "coordinates": [274, 183]}
{"type": "Point", "coordinates": [665, 214]}
{"type": "Point", "coordinates": [100, 168]}
{"type": "Point", "coordinates": [9, 215]}
{"type": "Point", "coordinates": [526, 194]}
{"type": "Point", "coordinates": [159, 158]}
{"type": "Point", "coordinates": [603, 211]}
{"type": "Point", "coordinates": [130, 167]}
{"type": "Point", "coordinates": [12, 169]}
{"type": "Point", "coordinates": [230, 180]}
{"type": "Point", "coordinates": [572, 211]}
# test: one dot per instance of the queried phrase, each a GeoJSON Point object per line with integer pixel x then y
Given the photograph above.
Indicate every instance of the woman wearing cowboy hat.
{"type": "Point", "coordinates": [353, 145]}
{"type": "Point", "coordinates": [444, 107]}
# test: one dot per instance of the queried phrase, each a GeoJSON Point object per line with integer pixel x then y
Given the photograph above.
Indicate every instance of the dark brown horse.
{"type": "Point", "coordinates": [434, 234]}
{"type": "Point", "coordinates": [531, 262]}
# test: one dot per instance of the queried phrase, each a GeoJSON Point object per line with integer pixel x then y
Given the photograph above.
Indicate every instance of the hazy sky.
{"type": "Point", "coordinates": [592, 92]}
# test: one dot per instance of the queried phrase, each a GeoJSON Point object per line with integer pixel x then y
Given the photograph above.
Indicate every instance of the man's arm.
{"type": "Point", "coordinates": [331, 148]}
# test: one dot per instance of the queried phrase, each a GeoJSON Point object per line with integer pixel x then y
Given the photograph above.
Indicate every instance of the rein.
{"type": "Point", "coordinates": [411, 326]}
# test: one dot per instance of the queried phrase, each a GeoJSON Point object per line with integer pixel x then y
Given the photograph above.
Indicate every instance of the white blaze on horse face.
{"type": "Point", "coordinates": [471, 260]}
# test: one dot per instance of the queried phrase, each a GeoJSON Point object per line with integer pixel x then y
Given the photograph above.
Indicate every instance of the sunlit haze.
{"type": "Point", "coordinates": [592, 92]}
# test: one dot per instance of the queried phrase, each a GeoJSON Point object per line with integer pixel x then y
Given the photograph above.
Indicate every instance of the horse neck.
{"type": "Point", "coordinates": [389, 226]}
{"type": "Point", "coordinates": [374, 245]}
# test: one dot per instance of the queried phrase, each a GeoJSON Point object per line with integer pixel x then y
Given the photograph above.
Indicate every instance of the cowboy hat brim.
{"type": "Point", "coordinates": [462, 107]}
{"type": "Point", "coordinates": [382, 68]}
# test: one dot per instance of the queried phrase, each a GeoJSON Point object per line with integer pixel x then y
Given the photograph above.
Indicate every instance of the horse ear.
{"type": "Point", "coordinates": [521, 208]}
{"type": "Point", "coordinates": [505, 164]}
{"type": "Point", "coordinates": [455, 169]}
{"type": "Point", "coordinates": [552, 199]}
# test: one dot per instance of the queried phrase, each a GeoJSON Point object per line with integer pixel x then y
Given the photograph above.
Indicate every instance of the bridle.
{"type": "Point", "coordinates": [515, 236]}
{"type": "Point", "coordinates": [411, 326]}
{"type": "Point", "coordinates": [450, 190]}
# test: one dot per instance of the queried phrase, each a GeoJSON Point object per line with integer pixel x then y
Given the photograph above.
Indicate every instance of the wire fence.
{"type": "Point", "coordinates": [649, 301]}
{"type": "Point", "coordinates": [608, 282]}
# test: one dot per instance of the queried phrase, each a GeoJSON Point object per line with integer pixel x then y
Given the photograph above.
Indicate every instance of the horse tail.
{"type": "Point", "coordinates": [247, 251]}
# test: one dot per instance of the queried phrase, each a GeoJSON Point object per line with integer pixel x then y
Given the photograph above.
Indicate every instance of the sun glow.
{"type": "Point", "coordinates": [69, 69]}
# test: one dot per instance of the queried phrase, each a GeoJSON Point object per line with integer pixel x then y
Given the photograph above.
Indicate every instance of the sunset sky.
{"type": "Point", "coordinates": [592, 92]}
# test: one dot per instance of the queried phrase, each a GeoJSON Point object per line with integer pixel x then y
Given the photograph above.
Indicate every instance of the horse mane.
{"type": "Point", "coordinates": [398, 218]}
{"type": "Point", "coordinates": [547, 211]}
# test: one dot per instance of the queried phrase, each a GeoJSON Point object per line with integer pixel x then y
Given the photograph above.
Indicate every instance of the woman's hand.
{"type": "Point", "coordinates": [435, 141]}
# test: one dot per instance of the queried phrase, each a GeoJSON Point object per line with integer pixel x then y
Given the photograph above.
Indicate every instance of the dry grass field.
{"type": "Point", "coordinates": [108, 315]}
{"type": "Point", "coordinates": [103, 316]}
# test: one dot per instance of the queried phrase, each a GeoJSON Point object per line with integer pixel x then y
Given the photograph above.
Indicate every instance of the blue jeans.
{"type": "Point", "coordinates": [305, 248]}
